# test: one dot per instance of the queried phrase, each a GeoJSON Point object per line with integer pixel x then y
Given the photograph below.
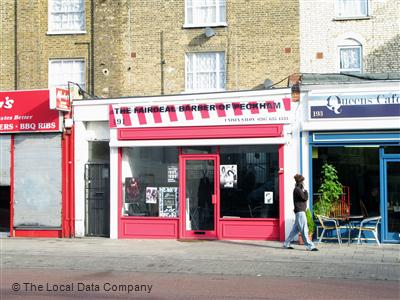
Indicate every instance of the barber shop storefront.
{"type": "Point", "coordinates": [34, 164]}
{"type": "Point", "coordinates": [356, 129]}
{"type": "Point", "coordinates": [206, 166]}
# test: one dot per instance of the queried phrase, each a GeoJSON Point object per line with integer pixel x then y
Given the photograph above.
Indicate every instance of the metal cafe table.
{"type": "Point", "coordinates": [347, 222]}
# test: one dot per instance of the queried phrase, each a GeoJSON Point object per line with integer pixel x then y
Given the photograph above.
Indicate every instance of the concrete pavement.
{"type": "Point", "coordinates": [250, 258]}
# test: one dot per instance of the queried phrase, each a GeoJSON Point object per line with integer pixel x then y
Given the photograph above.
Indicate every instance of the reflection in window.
{"type": "Point", "coordinates": [205, 71]}
{"type": "Point", "coordinates": [351, 8]}
{"type": "Point", "coordinates": [205, 12]}
{"type": "Point", "coordinates": [150, 181]}
{"type": "Point", "coordinates": [254, 192]}
{"type": "Point", "coordinates": [350, 59]}
{"type": "Point", "coordinates": [63, 70]}
{"type": "Point", "coordinates": [66, 16]}
{"type": "Point", "coordinates": [358, 169]}
{"type": "Point", "coordinates": [199, 149]}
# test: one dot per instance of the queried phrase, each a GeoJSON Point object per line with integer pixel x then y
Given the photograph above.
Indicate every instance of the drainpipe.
{"type": "Point", "coordinates": [162, 61]}
{"type": "Point", "coordinates": [15, 45]}
{"type": "Point", "coordinates": [91, 67]}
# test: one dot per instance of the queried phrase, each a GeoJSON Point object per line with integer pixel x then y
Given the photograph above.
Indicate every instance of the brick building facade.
{"type": "Point", "coordinates": [150, 41]}
{"type": "Point", "coordinates": [139, 47]}
{"type": "Point", "coordinates": [367, 27]}
{"type": "Point", "coordinates": [28, 44]}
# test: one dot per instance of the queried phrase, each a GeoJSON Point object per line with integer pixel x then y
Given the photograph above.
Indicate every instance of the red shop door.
{"type": "Point", "coordinates": [199, 196]}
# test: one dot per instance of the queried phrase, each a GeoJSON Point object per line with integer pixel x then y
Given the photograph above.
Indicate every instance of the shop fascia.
{"type": "Point", "coordinates": [238, 109]}
{"type": "Point", "coordinates": [352, 107]}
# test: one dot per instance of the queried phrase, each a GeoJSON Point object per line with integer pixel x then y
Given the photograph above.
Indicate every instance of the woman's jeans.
{"type": "Point", "coordinates": [300, 225]}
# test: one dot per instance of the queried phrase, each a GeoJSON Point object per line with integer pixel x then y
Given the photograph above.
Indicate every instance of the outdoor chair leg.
{"type": "Point", "coordinates": [359, 237]}
{"type": "Point", "coordinates": [376, 238]}
{"type": "Point", "coordinates": [322, 234]}
{"type": "Point", "coordinates": [339, 236]}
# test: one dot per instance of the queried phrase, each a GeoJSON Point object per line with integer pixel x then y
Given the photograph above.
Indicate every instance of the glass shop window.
{"type": "Point", "coordinates": [199, 150]}
{"type": "Point", "coordinates": [358, 170]}
{"type": "Point", "coordinates": [150, 181]}
{"type": "Point", "coordinates": [249, 181]}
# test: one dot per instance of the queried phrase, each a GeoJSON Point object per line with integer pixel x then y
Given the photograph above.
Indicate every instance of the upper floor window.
{"type": "Point", "coordinates": [63, 70]}
{"type": "Point", "coordinates": [350, 56]}
{"type": "Point", "coordinates": [66, 16]}
{"type": "Point", "coordinates": [351, 8]}
{"type": "Point", "coordinates": [205, 71]}
{"type": "Point", "coordinates": [205, 13]}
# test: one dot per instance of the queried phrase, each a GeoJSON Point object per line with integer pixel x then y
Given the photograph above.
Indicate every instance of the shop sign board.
{"type": "Point", "coordinates": [241, 111]}
{"type": "Point", "coordinates": [354, 105]}
{"type": "Point", "coordinates": [59, 99]}
{"type": "Point", "coordinates": [27, 111]}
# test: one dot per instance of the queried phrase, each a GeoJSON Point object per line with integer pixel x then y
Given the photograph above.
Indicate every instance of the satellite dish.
{"type": "Point", "coordinates": [209, 32]}
{"type": "Point", "coordinates": [268, 83]}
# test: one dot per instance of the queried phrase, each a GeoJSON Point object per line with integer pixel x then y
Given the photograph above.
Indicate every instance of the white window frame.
{"type": "Point", "coordinates": [53, 84]}
{"type": "Point", "coordinates": [52, 30]}
{"type": "Point", "coordinates": [219, 80]}
{"type": "Point", "coordinates": [196, 4]}
{"type": "Point", "coordinates": [353, 70]}
{"type": "Point", "coordinates": [341, 14]}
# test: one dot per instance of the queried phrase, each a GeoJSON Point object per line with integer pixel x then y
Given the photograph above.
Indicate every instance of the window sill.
{"type": "Point", "coordinates": [66, 32]}
{"type": "Point", "coordinates": [190, 26]}
{"type": "Point", "coordinates": [354, 18]}
{"type": "Point", "coordinates": [349, 72]}
{"type": "Point", "coordinates": [203, 91]}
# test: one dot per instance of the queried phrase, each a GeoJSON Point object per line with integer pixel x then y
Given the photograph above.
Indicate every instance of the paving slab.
{"type": "Point", "coordinates": [256, 258]}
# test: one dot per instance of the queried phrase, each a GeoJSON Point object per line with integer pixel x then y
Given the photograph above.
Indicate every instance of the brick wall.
{"type": "Point", "coordinates": [255, 39]}
{"type": "Point", "coordinates": [7, 45]}
{"type": "Point", "coordinates": [34, 45]}
{"type": "Point", "coordinates": [321, 33]}
{"type": "Point", "coordinates": [261, 42]}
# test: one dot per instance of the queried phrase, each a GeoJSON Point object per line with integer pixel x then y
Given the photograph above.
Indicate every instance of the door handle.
{"type": "Point", "coordinates": [214, 199]}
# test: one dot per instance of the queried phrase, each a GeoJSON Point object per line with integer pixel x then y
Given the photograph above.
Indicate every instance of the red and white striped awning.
{"type": "Point", "coordinates": [262, 110]}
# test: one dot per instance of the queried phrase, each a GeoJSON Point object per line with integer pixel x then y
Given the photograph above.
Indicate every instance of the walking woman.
{"type": "Point", "coordinates": [300, 197]}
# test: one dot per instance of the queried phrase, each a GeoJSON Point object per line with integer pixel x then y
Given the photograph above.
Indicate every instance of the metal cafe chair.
{"type": "Point", "coordinates": [329, 224]}
{"type": "Point", "coordinates": [369, 224]}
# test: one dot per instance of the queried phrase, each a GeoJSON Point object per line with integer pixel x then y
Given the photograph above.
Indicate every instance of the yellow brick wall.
{"type": "Point", "coordinates": [34, 45]}
{"type": "Point", "coordinates": [7, 45]}
{"type": "Point", "coordinates": [127, 42]}
{"type": "Point", "coordinates": [258, 31]}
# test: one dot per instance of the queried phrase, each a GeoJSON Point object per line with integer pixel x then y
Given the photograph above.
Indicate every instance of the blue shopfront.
{"type": "Point", "coordinates": [359, 133]}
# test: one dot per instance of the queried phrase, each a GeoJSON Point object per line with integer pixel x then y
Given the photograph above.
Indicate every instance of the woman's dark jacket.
{"type": "Point", "coordinates": [300, 198]}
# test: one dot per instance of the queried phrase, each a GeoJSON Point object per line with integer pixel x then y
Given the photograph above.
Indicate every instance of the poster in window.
{"type": "Point", "coordinates": [132, 189]}
{"type": "Point", "coordinates": [151, 195]}
{"type": "Point", "coordinates": [268, 197]}
{"type": "Point", "coordinates": [228, 176]}
{"type": "Point", "coordinates": [173, 173]}
{"type": "Point", "coordinates": [168, 201]}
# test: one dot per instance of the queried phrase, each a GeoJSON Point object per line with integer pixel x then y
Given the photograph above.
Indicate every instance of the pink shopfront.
{"type": "Point", "coordinates": [207, 166]}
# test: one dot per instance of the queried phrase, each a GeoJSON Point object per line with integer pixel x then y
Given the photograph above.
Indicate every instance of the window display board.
{"type": "Point", "coordinates": [228, 176]}
{"type": "Point", "coordinates": [168, 202]}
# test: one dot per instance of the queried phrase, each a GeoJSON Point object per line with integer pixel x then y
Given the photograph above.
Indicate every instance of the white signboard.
{"type": "Point", "coordinates": [268, 197]}
{"type": "Point", "coordinates": [228, 176]}
{"type": "Point", "coordinates": [353, 105]}
{"type": "Point", "coordinates": [242, 111]}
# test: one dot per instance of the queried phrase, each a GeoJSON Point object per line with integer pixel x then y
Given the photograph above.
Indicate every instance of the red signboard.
{"type": "Point", "coordinates": [27, 111]}
{"type": "Point", "coordinates": [59, 99]}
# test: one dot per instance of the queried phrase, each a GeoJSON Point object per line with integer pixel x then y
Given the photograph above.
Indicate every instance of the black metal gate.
{"type": "Point", "coordinates": [97, 202]}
